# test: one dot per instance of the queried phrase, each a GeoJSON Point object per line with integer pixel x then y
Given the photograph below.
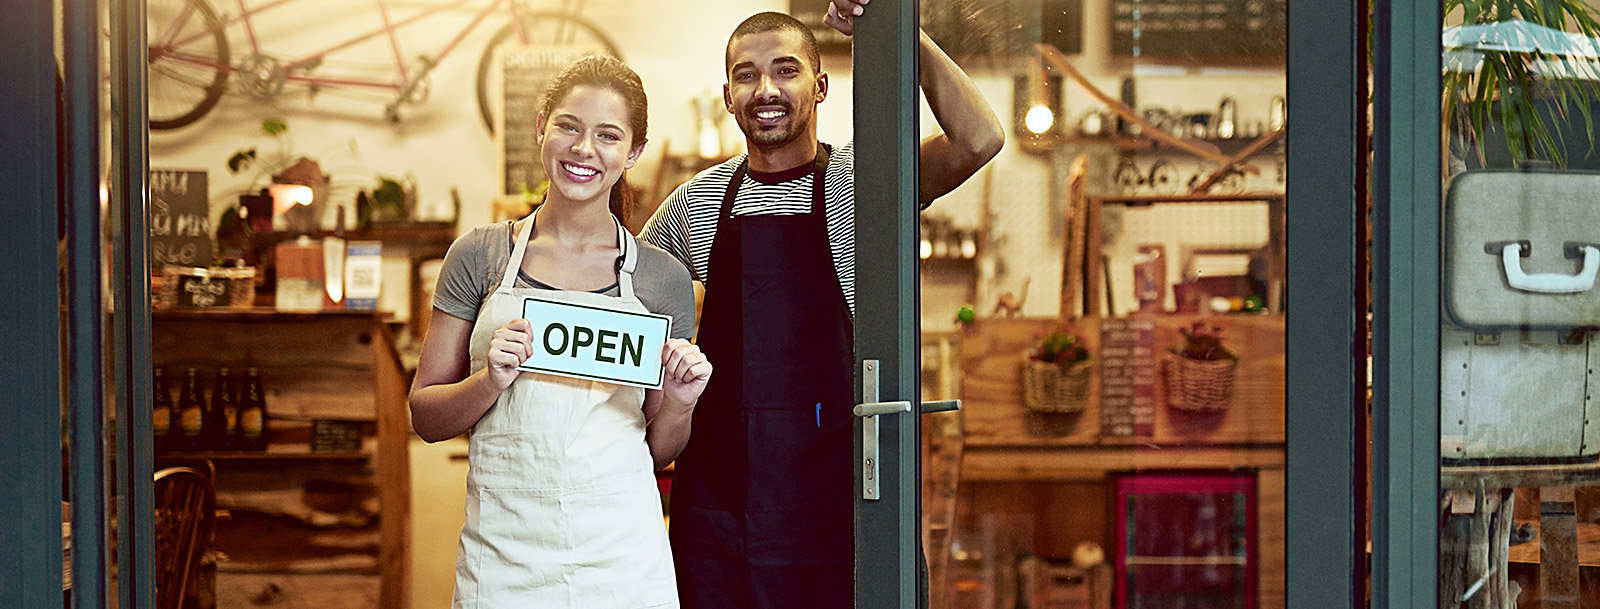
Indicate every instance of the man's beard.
{"type": "Point", "coordinates": [780, 134]}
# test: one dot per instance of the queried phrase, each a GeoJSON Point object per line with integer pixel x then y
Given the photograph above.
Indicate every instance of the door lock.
{"type": "Point", "coordinates": [869, 411]}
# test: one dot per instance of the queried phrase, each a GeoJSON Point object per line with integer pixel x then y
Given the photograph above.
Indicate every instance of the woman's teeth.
{"type": "Point", "coordinates": [581, 171]}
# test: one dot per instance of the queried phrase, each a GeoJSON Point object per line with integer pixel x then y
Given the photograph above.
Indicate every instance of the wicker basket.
{"type": "Point", "coordinates": [1199, 385]}
{"type": "Point", "coordinates": [1048, 388]}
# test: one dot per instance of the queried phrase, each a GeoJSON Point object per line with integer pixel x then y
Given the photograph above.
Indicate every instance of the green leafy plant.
{"type": "Point", "coordinates": [1203, 342]}
{"type": "Point", "coordinates": [1062, 348]}
{"type": "Point", "coordinates": [1507, 87]}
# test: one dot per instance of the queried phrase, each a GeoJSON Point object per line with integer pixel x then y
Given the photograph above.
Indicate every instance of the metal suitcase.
{"type": "Point", "coordinates": [1518, 346]}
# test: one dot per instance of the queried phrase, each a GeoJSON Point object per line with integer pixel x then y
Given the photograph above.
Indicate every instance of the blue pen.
{"type": "Point", "coordinates": [819, 415]}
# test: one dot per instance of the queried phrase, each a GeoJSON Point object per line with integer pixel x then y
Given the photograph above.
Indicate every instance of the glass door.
{"type": "Point", "coordinates": [1486, 313]}
{"type": "Point", "coordinates": [1147, 289]}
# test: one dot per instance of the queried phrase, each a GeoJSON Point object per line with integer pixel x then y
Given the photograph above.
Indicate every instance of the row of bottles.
{"type": "Point", "coordinates": [234, 419]}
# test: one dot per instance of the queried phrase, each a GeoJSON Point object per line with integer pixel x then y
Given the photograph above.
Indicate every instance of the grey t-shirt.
{"type": "Point", "coordinates": [476, 261]}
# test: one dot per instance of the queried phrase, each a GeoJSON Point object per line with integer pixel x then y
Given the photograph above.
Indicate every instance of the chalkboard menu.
{"type": "Point", "coordinates": [524, 73]}
{"type": "Point", "coordinates": [971, 28]}
{"type": "Point", "coordinates": [1127, 378]}
{"type": "Point", "coordinates": [1199, 29]}
{"type": "Point", "coordinates": [180, 219]}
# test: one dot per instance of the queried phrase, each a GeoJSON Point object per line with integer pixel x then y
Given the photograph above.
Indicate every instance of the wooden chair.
{"type": "Point", "coordinates": [185, 513]}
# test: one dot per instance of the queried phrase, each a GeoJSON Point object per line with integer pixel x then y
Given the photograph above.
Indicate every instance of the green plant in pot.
{"type": "Point", "coordinates": [1055, 373]}
{"type": "Point", "coordinates": [1521, 70]}
{"type": "Point", "coordinates": [1200, 372]}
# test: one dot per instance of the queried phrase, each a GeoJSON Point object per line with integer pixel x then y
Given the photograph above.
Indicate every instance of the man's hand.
{"type": "Point", "coordinates": [686, 372]}
{"type": "Point", "coordinates": [512, 345]}
{"type": "Point", "coordinates": [842, 15]}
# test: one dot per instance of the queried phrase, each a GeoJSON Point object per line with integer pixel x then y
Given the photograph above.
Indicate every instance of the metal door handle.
{"type": "Point", "coordinates": [872, 409]}
{"type": "Point", "coordinates": [869, 411]}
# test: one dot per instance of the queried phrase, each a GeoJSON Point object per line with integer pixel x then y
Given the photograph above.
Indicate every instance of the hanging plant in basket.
{"type": "Point", "coordinates": [1055, 373]}
{"type": "Point", "coordinates": [1200, 373]}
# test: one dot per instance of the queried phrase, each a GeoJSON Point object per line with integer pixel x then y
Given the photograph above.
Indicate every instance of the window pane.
{"type": "Point", "coordinates": [1109, 451]}
{"type": "Point", "coordinates": [1521, 517]}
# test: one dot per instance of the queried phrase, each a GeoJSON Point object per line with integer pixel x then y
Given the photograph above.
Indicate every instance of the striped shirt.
{"type": "Point", "coordinates": [686, 224]}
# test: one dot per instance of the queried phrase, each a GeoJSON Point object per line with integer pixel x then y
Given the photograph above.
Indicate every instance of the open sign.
{"type": "Point", "coordinates": [595, 343]}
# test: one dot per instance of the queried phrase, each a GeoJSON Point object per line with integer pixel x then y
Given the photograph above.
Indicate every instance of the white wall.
{"type": "Point", "coordinates": [678, 54]}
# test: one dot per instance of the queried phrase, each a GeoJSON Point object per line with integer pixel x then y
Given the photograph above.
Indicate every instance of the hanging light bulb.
{"type": "Point", "coordinates": [1039, 119]}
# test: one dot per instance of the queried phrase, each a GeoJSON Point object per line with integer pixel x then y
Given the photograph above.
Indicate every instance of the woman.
{"type": "Point", "coordinates": [562, 509]}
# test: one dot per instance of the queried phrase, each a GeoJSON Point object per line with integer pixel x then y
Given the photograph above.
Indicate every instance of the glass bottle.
{"type": "Point", "coordinates": [191, 412]}
{"type": "Point", "coordinates": [251, 431]}
{"type": "Point", "coordinates": [223, 417]}
{"type": "Point", "coordinates": [162, 413]}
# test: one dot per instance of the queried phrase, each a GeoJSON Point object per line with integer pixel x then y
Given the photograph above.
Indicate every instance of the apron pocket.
{"type": "Point", "coordinates": [524, 546]}
{"type": "Point", "coordinates": [794, 463]}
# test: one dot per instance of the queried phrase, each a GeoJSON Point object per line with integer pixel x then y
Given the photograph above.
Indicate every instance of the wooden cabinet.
{"type": "Point", "coordinates": [292, 509]}
{"type": "Point", "coordinates": [1041, 484]}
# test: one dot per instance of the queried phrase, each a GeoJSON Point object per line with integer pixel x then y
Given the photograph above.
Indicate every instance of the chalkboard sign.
{"type": "Point", "coordinates": [1127, 378]}
{"type": "Point", "coordinates": [180, 219]}
{"type": "Point", "coordinates": [1199, 29]}
{"type": "Point", "coordinates": [524, 72]}
{"type": "Point", "coordinates": [971, 28]}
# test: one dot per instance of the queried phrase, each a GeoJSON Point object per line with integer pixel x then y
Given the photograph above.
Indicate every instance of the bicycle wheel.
{"type": "Point", "coordinates": [188, 61]}
{"type": "Point", "coordinates": [549, 29]}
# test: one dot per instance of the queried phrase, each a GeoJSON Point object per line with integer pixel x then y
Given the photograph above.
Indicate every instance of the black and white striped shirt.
{"type": "Point", "coordinates": [686, 224]}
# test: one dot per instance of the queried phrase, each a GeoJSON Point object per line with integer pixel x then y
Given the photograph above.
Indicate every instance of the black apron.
{"type": "Point", "coordinates": [762, 510]}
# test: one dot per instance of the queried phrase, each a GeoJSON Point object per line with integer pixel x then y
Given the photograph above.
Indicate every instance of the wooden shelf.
{"type": "Point", "coordinates": [1036, 143]}
{"type": "Point", "coordinates": [400, 233]}
{"type": "Point", "coordinates": [1466, 477]}
{"type": "Point", "coordinates": [254, 314]}
{"type": "Point", "coordinates": [245, 455]}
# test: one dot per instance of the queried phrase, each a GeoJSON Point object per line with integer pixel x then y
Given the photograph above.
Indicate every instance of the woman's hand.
{"type": "Point", "coordinates": [686, 372]}
{"type": "Point", "coordinates": [512, 345]}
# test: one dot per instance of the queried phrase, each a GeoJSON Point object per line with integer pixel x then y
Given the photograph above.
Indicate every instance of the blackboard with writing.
{"type": "Point", "coordinates": [1199, 29]}
{"type": "Point", "coordinates": [180, 219]}
{"type": "Point", "coordinates": [525, 71]}
{"type": "Point", "coordinates": [970, 28]}
{"type": "Point", "coordinates": [1127, 378]}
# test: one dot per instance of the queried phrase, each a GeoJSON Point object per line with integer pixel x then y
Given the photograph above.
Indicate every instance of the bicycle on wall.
{"type": "Point", "coordinates": [191, 62]}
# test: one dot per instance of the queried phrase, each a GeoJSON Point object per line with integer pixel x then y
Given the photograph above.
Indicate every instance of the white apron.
{"type": "Point", "coordinates": [562, 507]}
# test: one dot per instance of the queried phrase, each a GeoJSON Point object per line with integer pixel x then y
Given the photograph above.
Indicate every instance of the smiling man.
{"type": "Point", "coordinates": [761, 501]}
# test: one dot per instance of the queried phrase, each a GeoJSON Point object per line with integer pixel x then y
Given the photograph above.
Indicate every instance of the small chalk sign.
{"type": "Point", "coordinates": [180, 219]}
{"type": "Point", "coordinates": [595, 343]}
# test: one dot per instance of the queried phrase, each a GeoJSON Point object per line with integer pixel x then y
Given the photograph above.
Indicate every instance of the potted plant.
{"type": "Point", "coordinates": [1055, 373]}
{"type": "Point", "coordinates": [1520, 69]}
{"type": "Point", "coordinates": [1200, 373]}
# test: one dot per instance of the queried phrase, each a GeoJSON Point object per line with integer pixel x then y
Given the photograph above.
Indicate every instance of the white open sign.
{"type": "Point", "coordinates": [589, 342]}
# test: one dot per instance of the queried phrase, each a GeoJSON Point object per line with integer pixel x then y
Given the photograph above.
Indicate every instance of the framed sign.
{"type": "Point", "coordinates": [589, 342]}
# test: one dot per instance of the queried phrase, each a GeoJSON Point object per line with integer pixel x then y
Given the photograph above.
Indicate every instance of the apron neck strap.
{"type": "Point", "coordinates": [626, 262]}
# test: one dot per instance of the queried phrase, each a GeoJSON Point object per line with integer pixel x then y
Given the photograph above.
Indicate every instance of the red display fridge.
{"type": "Point", "coordinates": [1186, 541]}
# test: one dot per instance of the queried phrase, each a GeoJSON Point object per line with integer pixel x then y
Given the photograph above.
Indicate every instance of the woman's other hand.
{"type": "Point", "coordinates": [686, 372]}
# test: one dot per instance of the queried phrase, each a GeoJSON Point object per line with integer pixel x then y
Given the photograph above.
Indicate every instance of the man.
{"type": "Point", "coordinates": [762, 503]}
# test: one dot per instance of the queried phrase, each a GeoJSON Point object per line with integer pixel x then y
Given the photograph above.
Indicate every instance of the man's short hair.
{"type": "Point", "coordinates": [771, 22]}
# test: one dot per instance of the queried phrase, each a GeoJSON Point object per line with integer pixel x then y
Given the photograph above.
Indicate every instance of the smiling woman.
{"type": "Point", "coordinates": [562, 507]}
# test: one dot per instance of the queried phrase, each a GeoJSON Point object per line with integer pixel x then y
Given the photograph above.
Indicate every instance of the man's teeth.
{"type": "Point", "coordinates": [769, 114]}
{"type": "Point", "coordinates": [582, 171]}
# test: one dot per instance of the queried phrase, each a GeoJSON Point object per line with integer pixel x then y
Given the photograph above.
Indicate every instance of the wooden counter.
{"type": "Point", "coordinates": [1014, 459]}
{"type": "Point", "coordinates": [296, 510]}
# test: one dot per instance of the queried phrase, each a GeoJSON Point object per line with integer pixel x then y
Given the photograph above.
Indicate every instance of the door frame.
{"type": "Point", "coordinates": [1405, 306]}
{"type": "Point", "coordinates": [887, 321]}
